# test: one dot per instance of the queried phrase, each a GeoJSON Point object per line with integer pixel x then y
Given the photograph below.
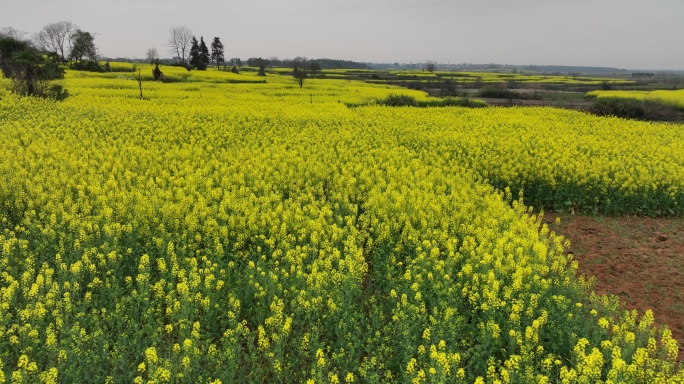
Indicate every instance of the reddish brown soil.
{"type": "Point", "coordinates": [639, 259]}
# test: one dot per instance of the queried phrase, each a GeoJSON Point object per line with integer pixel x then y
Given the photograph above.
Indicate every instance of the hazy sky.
{"type": "Point", "coordinates": [630, 34]}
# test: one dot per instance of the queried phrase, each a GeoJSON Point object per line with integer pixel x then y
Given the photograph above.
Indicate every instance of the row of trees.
{"type": "Point", "coordinates": [199, 53]}
{"type": "Point", "coordinates": [182, 41]}
{"type": "Point", "coordinates": [66, 42]}
{"type": "Point", "coordinates": [302, 68]}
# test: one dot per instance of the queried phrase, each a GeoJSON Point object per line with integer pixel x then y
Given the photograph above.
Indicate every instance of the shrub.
{"type": "Point", "coordinates": [651, 110]}
{"type": "Point", "coordinates": [56, 92]}
{"type": "Point", "coordinates": [157, 73]}
{"type": "Point", "coordinates": [499, 93]}
{"type": "Point", "coordinates": [394, 100]}
{"type": "Point", "coordinates": [462, 102]}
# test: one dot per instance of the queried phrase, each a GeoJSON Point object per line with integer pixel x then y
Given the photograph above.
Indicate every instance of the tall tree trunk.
{"type": "Point", "coordinates": [29, 83]}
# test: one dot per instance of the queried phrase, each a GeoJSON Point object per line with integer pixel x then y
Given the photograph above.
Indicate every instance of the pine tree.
{"type": "Point", "coordinates": [217, 51]}
{"type": "Point", "coordinates": [203, 56]}
{"type": "Point", "coordinates": [195, 54]}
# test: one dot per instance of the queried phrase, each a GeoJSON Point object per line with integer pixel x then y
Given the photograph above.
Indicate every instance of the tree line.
{"type": "Point", "coordinates": [194, 54]}
{"type": "Point", "coordinates": [33, 62]}
{"type": "Point", "coordinates": [181, 41]}
{"type": "Point", "coordinates": [62, 42]}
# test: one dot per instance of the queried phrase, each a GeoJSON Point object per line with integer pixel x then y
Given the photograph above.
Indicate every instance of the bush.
{"type": "Point", "coordinates": [394, 100]}
{"type": "Point", "coordinates": [52, 70]}
{"type": "Point", "coordinates": [462, 102]}
{"type": "Point", "coordinates": [56, 92]}
{"type": "Point", "coordinates": [499, 93]}
{"type": "Point", "coordinates": [157, 73]}
{"type": "Point", "coordinates": [650, 110]}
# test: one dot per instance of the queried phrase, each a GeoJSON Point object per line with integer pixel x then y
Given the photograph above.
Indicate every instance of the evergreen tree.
{"type": "Point", "coordinates": [195, 54]}
{"type": "Point", "coordinates": [203, 56]}
{"type": "Point", "coordinates": [217, 51]}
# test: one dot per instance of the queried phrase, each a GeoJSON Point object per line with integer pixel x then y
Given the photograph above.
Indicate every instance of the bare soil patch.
{"type": "Point", "coordinates": [639, 259]}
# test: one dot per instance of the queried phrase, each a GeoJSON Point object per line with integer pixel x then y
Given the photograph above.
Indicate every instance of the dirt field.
{"type": "Point", "coordinates": [639, 259]}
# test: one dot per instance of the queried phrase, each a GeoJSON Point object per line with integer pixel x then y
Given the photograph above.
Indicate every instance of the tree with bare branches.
{"type": "Point", "coordinates": [299, 70]}
{"type": "Point", "coordinates": [152, 55]}
{"type": "Point", "coordinates": [12, 33]}
{"type": "Point", "coordinates": [430, 66]}
{"type": "Point", "coordinates": [179, 42]}
{"type": "Point", "coordinates": [56, 38]}
{"type": "Point", "coordinates": [314, 66]}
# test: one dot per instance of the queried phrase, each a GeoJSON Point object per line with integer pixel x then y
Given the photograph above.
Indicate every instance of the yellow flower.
{"type": "Point", "coordinates": [320, 359]}
{"type": "Point", "coordinates": [151, 355]}
{"type": "Point", "coordinates": [23, 361]}
{"type": "Point", "coordinates": [349, 378]}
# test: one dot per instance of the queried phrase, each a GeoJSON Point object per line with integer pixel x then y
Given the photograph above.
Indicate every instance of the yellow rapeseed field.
{"type": "Point", "coordinates": [223, 229]}
{"type": "Point", "coordinates": [669, 96]}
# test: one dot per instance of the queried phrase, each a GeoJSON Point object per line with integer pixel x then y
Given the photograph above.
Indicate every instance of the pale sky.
{"type": "Point", "coordinates": [629, 34]}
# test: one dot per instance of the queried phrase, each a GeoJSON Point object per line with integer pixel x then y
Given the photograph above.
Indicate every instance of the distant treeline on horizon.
{"type": "Point", "coordinates": [326, 63]}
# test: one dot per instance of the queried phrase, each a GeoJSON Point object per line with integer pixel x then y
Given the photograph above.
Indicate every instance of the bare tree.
{"type": "Point", "coordinates": [12, 33]}
{"type": "Point", "coordinates": [430, 66]}
{"type": "Point", "coordinates": [152, 55]}
{"type": "Point", "coordinates": [299, 70]}
{"type": "Point", "coordinates": [179, 42]}
{"type": "Point", "coordinates": [314, 66]}
{"type": "Point", "coordinates": [138, 77]}
{"type": "Point", "coordinates": [56, 38]}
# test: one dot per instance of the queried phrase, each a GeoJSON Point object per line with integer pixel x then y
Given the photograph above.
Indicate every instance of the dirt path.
{"type": "Point", "coordinates": [639, 259]}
